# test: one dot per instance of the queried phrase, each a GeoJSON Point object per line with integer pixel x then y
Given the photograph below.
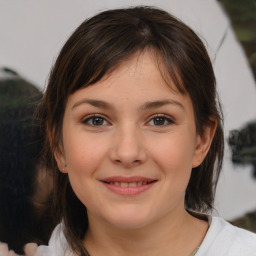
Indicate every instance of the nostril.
{"type": "Point", "coordinates": [128, 164]}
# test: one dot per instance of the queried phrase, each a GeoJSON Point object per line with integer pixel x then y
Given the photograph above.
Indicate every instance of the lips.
{"type": "Point", "coordinates": [128, 185]}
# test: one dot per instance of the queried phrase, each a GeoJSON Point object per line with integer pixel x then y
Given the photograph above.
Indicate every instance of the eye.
{"type": "Point", "coordinates": [95, 120]}
{"type": "Point", "coordinates": [160, 120]}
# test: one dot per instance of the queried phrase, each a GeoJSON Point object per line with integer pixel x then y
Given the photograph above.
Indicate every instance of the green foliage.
{"type": "Point", "coordinates": [247, 222]}
{"type": "Point", "coordinates": [245, 34]}
{"type": "Point", "coordinates": [242, 14]}
{"type": "Point", "coordinates": [240, 10]}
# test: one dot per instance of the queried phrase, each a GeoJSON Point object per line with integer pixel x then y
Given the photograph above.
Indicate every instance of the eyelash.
{"type": "Point", "coordinates": [103, 119]}
{"type": "Point", "coordinates": [94, 117]}
{"type": "Point", "coordinates": [166, 119]}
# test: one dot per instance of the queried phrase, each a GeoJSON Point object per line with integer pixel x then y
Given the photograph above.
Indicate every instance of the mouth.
{"type": "Point", "coordinates": [128, 186]}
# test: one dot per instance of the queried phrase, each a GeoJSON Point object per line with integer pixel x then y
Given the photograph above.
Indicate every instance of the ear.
{"type": "Point", "coordinates": [59, 154]}
{"type": "Point", "coordinates": [61, 160]}
{"type": "Point", "coordinates": [203, 142]}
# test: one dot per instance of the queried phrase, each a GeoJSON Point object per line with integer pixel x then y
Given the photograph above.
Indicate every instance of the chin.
{"type": "Point", "coordinates": [129, 219]}
{"type": "Point", "coordinates": [129, 224]}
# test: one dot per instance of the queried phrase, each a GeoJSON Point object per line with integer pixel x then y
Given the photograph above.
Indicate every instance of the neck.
{"type": "Point", "coordinates": [178, 235]}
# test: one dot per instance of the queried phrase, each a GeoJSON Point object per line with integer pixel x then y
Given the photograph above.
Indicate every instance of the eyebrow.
{"type": "Point", "coordinates": [160, 103]}
{"type": "Point", "coordinates": [95, 103]}
{"type": "Point", "coordinates": [147, 105]}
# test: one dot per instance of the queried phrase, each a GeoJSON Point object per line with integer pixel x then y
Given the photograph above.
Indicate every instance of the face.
{"type": "Point", "coordinates": [129, 144]}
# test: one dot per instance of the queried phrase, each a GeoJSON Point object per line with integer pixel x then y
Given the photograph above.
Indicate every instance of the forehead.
{"type": "Point", "coordinates": [136, 81]}
{"type": "Point", "coordinates": [141, 66]}
{"type": "Point", "coordinates": [133, 73]}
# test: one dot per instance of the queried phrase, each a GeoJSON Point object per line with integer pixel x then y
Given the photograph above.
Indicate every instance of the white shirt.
{"type": "Point", "coordinates": [222, 239]}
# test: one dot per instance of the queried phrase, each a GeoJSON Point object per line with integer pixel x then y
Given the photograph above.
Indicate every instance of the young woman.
{"type": "Point", "coordinates": [135, 142]}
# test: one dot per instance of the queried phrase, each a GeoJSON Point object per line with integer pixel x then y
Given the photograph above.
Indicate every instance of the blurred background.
{"type": "Point", "coordinates": [32, 33]}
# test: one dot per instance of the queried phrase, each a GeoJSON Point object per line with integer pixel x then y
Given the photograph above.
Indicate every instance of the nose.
{"type": "Point", "coordinates": [128, 148]}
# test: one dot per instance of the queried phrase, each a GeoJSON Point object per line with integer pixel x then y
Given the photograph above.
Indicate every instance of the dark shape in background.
{"type": "Point", "coordinates": [242, 14]}
{"type": "Point", "coordinates": [243, 146]}
{"type": "Point", "coordinates": [23, 217]}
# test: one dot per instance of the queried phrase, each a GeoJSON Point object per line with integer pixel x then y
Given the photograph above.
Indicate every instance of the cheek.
{"type": "Point", "coordinates": [82, 153]}
{"type": "Point", "coordinates": [174, 155]}
{"type": "Point", "coordinates": [174, 151]}
{"type": "Point", "coordinates": [83, 160]}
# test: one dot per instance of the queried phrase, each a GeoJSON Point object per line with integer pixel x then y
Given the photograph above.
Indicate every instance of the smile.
{"type": "Point", "coordinates": [128, 186]}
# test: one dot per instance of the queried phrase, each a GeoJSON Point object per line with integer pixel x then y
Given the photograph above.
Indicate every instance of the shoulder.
{"type": "Point", "coordinates": [225, 239]}
{"type": "Point", "coordinates": [58, 245]}
{"type": "Point", "coordinates": [239, 234]}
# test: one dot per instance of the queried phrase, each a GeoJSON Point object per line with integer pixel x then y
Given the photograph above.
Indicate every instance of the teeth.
{"type": "Point", "coordinates": [129, 184]}
{"type": "Point", "coordinates": [133, 184]}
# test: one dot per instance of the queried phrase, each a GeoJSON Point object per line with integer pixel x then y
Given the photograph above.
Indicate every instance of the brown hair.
{"type": "Point", "coordinates": [97, 47]}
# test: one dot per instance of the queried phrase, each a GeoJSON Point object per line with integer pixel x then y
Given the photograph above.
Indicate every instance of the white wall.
{"type": "Point", "coordinates": [32, 33]}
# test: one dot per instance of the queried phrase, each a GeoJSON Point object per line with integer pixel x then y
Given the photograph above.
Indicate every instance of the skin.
{"type": "Point", "coordinates": [128, 141]}
{"type": "Point", "coordinates": [29, 249]}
